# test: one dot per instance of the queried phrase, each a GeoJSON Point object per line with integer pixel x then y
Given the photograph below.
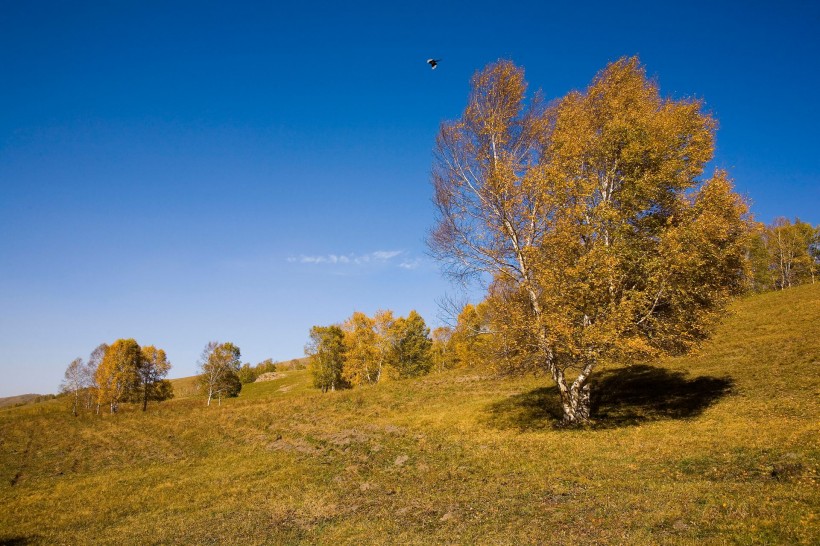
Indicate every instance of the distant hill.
{"type": "Point", "coordinates": [21, 399]}
{"type": "Point", "coordinates": [716, 447]}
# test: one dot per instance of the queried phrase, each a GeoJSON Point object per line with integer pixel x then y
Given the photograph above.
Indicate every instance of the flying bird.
{"type": "Point", "coordinates": [433, 63]}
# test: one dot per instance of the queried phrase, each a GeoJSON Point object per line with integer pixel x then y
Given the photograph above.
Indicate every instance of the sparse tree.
{"type": "Point", "coordinates": [74, 382]}
{"type": "Point", "coordinates": [219, 365]}
{"type": "Point", "coordinates": [325, 350]}
{"type": "Point", "coordinates": [441, 348]}
{"type": "Point", "coordinates": [590, 220]}
{"type": "Point", "coordinates": [90, 374]}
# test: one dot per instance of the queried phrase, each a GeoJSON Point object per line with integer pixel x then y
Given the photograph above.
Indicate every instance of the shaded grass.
{"type": "Point", "coordinates": [717, 447]}
{"type": "Point", "coordinates": [621, 396]}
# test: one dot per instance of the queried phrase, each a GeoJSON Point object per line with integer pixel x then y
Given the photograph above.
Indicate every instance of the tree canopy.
{"type": "Point", "coordinates": [219, 366]}
{"type": "Point", "coordinates": [590, 221]}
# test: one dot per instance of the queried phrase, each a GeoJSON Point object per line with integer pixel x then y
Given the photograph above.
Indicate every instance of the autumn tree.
{"type": "Point", "coordinates": [154, 366]}
{"type": "Point", "coordinates": [388, 332]}
{"type": "Point", "coordinates": [219, 367]}
{"type": "Point", "coordinates": [361, 355]}
{"type": "Point", "coordinates": [118, 373]}
{"type": "Point", "coordinates": [470, 339]}
{"type": "Point", "coordinates": [589, 219]}
{"type": "Point", "coordinates": [761, 275]}
{"type": "Point", "coordinates": [247, 373]}
{"type": "Point", "coordinates": [793, 251]}
{"type": "Point", "coordinates": [783, 254]}
{"type": "Point", "coordinates": [326, 350]}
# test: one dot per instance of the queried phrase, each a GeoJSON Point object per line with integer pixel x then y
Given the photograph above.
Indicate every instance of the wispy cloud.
{"type": "Point", "coordinates": [377, 257]}
{"type": "Point", "coordinates": [410, 264]}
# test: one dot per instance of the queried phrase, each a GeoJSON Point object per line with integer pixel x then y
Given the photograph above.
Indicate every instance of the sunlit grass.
{"type": "Point", "coordinates": [719, 446]}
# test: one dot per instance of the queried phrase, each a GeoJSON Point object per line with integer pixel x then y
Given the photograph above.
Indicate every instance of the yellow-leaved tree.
{"type": "Point", "coordinates": [590, 219]}
{"type": "Point", "coordinates": [117, 375]}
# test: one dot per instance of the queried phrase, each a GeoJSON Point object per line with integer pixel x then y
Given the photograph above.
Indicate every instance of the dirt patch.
{"type": "Point", "coordinates": [347, 437]}
{"type": "Point", "coordinates": [268, 376]}
{"type": "Point", "coordinates": [293, 444]}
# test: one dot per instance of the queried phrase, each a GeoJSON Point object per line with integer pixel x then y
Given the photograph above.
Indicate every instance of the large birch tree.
{"type": "Point", "coordinates": [589, 220]}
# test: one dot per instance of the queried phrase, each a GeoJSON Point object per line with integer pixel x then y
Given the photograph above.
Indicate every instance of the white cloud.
{"type": "Point", "coordinates": [379, 256]}
{"type": "Point", "coordinates": [386, 254]}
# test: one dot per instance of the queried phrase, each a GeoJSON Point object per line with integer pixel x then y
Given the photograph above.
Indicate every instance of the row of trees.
{"type": "Point", "coordinates": [466, 344]}
{"type": "Point", "coordinates": [366, 350]}
{"type": "Point", "coordinates": [249, 374]}
{"type": "Point", "coordinates": [125, 372]}
{"type": "Point", "coordinates": [784, 254]}
{"type": "Point", "coordinates": [117, 373]}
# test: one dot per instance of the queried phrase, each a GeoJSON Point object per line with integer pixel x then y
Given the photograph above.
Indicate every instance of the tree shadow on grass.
{"type": "Point", "coordinates": [620, 397]}
{"type": "Point", "coordinates": [18, 540]}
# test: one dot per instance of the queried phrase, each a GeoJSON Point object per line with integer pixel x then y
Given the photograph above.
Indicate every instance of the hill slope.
{"type": "Point", "coordinates": [715, 447]}
{"type": "Point", "coordinates": [20, 399]}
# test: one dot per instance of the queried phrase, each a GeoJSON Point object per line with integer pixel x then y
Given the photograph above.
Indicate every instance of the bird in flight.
{"type": "Point", "coordinates": [433, 63]}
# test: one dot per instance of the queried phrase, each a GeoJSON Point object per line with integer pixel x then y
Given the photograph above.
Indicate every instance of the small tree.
{"type": "Point", "coordinates": [90, 374]}
{"type": "Point", "coordinates": [362, 364]}
{"type": "Point", "coordinates": [793, 251]}
{"type": "Point", "coordinates": [413, 346]}
{"type": "Point", "coordinates": [441, 349]}
{"type": "Point", "coordinates": [470, 339]}
{"type": "Point", "coordinates": [219, 365]}
{"type": "Point", "coordinates": [247, 373]}
{"type": "Point", "coordinates": [74, 382]}
{"type": "Point", "coordinates": [153, 369]}
{"type": "Point", "coordinates": [326, 350]}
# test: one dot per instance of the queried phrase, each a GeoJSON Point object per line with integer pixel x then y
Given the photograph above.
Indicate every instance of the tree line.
{"type": "Point", "coordinates": [784, 254]}
{"type": "Point", "coordinates": [115, 374]}
{"type": "Point", "coordinates": [366, 350]}
{"type": "Point", "coordinates": [248, 373]}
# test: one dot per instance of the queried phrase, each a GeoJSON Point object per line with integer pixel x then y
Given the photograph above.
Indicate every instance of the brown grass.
{"type": "Point", "coordinates": [716, 447]}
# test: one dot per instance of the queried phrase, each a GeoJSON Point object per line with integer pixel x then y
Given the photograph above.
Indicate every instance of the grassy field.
{"type": "Point", "coordinates": [713, 448]}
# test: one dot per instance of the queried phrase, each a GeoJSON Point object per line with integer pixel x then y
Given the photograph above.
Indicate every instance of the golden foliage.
{"type": "Point", "coordinates": [589, 215]}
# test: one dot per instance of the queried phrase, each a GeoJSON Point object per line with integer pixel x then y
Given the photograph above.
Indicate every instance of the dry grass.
{"type": "Point", "coordinates": [717, 447]}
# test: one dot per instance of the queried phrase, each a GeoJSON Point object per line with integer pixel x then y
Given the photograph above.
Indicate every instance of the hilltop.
{"type": "Point", "coordinates": [20, 399]}
{"type": "Point", "coordinates": [717, 446]}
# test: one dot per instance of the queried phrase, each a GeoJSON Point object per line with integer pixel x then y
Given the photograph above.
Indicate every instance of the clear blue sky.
{"type": "Point", "coordinates": [185, 172]}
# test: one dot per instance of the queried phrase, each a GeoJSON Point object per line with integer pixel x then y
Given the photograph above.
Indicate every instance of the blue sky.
{"type": "Point", "coordinates": [185, 172]}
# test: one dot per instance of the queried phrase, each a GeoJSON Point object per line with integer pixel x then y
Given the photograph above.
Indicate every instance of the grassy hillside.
{"type": "Point", "coordinates": [717, 447]}
{"type": "Point", "coordinates": [20, 399]}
